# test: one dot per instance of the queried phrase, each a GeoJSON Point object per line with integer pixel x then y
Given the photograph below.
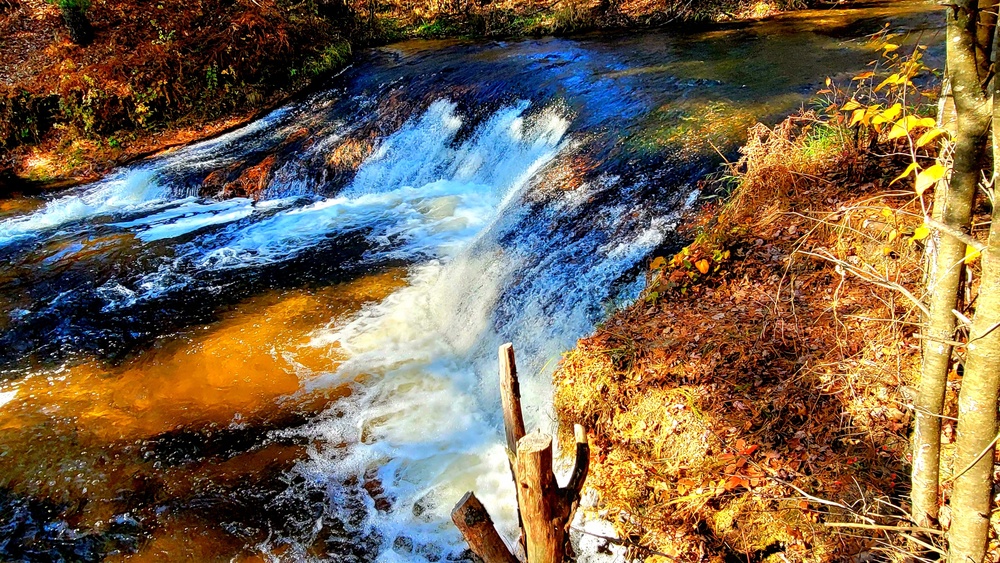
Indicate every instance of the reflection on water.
{"type": "Point", "coordinates": [95, 432]}
{"type": "Point", "coordinates": [308, 372]}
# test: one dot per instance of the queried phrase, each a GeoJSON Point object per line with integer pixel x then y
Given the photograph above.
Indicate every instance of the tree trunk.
{"type": "Point", "coordinates": [955, 209]}
{"type": "Point", "coordinates": [977, 401]}
{"type": "Point", "coordinates": [977, 416]}
{"type": "Point", "coordinates": [75, 18]}
{"type": "Point", "coordinates": [538, 496]}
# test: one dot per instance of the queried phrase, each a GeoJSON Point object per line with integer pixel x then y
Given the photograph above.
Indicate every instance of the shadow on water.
{"type": "Point", "coordinates": [280, 343]}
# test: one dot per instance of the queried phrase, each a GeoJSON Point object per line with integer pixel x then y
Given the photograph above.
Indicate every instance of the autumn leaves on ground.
{"type": "Point", "coordinates": [752, 405]}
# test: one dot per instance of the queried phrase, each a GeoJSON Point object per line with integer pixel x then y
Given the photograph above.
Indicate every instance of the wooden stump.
{"type": "Point", "coordinates": [510, 398]}
{"type": "Point", "coordinates": [545, 510]}
{"type": "Point", "coordinates": [472, 519]}
{"type": "Point", "coordinates": [538, 497]}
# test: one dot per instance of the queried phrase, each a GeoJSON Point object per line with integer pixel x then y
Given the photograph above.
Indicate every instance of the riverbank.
{"type": "Point", "coordinates": [158, 74]}
{"type": "Point", "coordinates": [752, 404]}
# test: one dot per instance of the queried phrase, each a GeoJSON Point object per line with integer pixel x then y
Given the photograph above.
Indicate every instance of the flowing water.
{"type": "Point", "coordinates": [280, 344]}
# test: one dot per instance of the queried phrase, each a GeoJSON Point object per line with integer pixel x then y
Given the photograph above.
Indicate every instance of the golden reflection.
{"type": "Point", "coordinates": [72, 435]}
{"type": "Point", "coordinates": [234, 370]}
{"type": "Point", "coordinates": [19, 205]}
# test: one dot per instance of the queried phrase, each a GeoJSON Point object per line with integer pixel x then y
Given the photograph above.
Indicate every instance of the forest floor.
{"type": "Point", "coordinates": [154, 75]}
{"type": "Point", "coordinates": [754, 403]}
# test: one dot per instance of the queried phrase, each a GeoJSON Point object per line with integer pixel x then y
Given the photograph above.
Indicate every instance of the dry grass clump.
{"type": "Point", "coordinates": [756, 394]}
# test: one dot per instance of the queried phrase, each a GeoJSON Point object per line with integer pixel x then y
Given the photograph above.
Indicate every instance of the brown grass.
{"type": "Point", "coordinates": [737, 412]}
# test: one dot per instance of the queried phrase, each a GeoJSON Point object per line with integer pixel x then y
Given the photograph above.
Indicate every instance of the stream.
{"type": "Point", "coordinates": [280, 344]}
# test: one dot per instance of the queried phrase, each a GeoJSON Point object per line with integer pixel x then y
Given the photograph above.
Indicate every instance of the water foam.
{"type": "Point", "coordinates": [127, 190]}
{"type": "Point", "coordinates": [409, 208]}
{"type": "Point", "coordinates": [143, 187]}
{"type": "Point", "coordinates": [187, 216]}
{"type": "Point", "coordinates": [423, 425]}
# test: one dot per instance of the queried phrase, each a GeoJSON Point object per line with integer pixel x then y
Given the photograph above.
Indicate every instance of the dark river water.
{"type": "Point", "coordinates": [280, 344]}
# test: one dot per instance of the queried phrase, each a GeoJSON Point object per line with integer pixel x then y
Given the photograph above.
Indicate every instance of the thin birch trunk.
{"type": "Point", "coordinates": [955, 205]}
{"type": "Point", "coordinates": [977, 402]}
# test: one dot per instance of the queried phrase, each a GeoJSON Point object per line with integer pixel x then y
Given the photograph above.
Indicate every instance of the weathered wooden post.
{"type": "Point", "coordinates": [477, 527]}
{"type": "Point", "coordinates": [545, 510]}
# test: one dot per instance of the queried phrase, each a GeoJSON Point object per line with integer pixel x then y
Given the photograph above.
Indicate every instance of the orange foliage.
{"type": "Point", "coordinates": [752, 370]}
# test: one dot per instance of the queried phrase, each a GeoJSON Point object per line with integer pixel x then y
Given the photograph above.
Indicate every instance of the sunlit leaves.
{"type": "Point", "coordinates": [929, 136]}
{"type": "Point", "coordinates": [896, 79]}
{"type": "Point", "coordinates": [909, 170]}
{"type": "Point", "coordinates": [971, 254]}
{"type": "Point", "coordinates": [920, 233]}
{"type": "Point", "coordinates": [929, 177]}
{"type": "Point", "coordinates": [851, 105]}
{"type": "Point", "coordinates": [904, 126]}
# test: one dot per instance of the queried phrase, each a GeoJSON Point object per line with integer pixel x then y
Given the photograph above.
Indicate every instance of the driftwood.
{"type": "Point", "coordinates": [545, 510]}
{"type": "Point", "coordinates": [474, 522]}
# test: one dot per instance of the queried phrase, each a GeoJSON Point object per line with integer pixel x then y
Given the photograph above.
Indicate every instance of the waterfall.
{"type": "Point", "coordinates": [427, 206]}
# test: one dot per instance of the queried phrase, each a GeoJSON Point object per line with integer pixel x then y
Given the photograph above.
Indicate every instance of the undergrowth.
{"type": "Point", "coordinates": [752, 405]}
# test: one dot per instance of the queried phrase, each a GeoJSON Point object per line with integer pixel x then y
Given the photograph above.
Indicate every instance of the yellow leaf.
{"type": "Point", "coordinates": [887, 212]}
{"type": "Point", "coordinates": [971, 254]}
{"type": "Point", "coordinates": [891, 80]}
{"type": "Point", "coordinates": [926, 122]}
{"type": "Point", "coordinates": [892, 112]}
{"type": "Point", "coordinates": [828, 81]}
{"type": "Point", "coordinates": [851, 105]}
{"type": "Point", "coordinates": [898, 130]}
{"type": "Point", "coordinates": [929, 177]}
{"type": "Point", "coordinates": [930, 135]}
{"type": "Point", "coordinates": [909, 170]}
{"type": "Point", "coordinates": [903, 127]}
{"type": "Point", "coordinates": [702, 266]}
{"type": "Point", "coordinates": [658, 263]}
{"type": "Point", "coordinates": [893, 235]}
{"type": "Point", "coordinates": [864, 75]}
{"type": "Point", "coordinates": [857, 117]}
{"type": "Point", "coordinates": [920, 233]}
{"type": "Point", "coordinates": [890, 47]}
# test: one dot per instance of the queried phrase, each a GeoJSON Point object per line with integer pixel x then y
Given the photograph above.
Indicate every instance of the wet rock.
{"type": "Point", "coordinates": [253, 181]}
{"type": "Point", "coordinates": [37, 530]}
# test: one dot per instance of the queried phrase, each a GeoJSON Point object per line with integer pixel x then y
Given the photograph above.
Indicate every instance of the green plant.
{"type": "Point", "coordinates": [332, 58]}
{"type": "Point", "coordinates": [74, 14]}
{"type": "Point", "coordinates": [211, 78]}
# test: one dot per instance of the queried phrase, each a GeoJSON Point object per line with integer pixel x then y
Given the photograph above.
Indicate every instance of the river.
{"type": "Point", "coordinates": [280, 344]}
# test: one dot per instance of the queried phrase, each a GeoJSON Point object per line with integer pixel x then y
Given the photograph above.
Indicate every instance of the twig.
{"type": "Point", "coordinates": [624, 543]}
{"type": "Point", "coordinates": [822, 500]}
{"type": "Point", "coordinates": [955, 233]}
{"type": "Point", "coordinates": [958, 314]}
{"type": "Point", "coordinates": [872, 278]}
{"type": "Point", "coordinates": [975, 461]}
{"type": "Point", "coordinates": [938, 340]}
{"type": "Point", "coordinates": [880, 527]}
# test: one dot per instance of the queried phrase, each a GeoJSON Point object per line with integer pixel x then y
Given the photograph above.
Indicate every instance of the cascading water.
{"type": "Point", "coordinates": [282, 341]}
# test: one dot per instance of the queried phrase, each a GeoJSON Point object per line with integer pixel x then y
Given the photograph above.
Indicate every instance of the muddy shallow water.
{"type": "Point", "coordinates": [280, 344]}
